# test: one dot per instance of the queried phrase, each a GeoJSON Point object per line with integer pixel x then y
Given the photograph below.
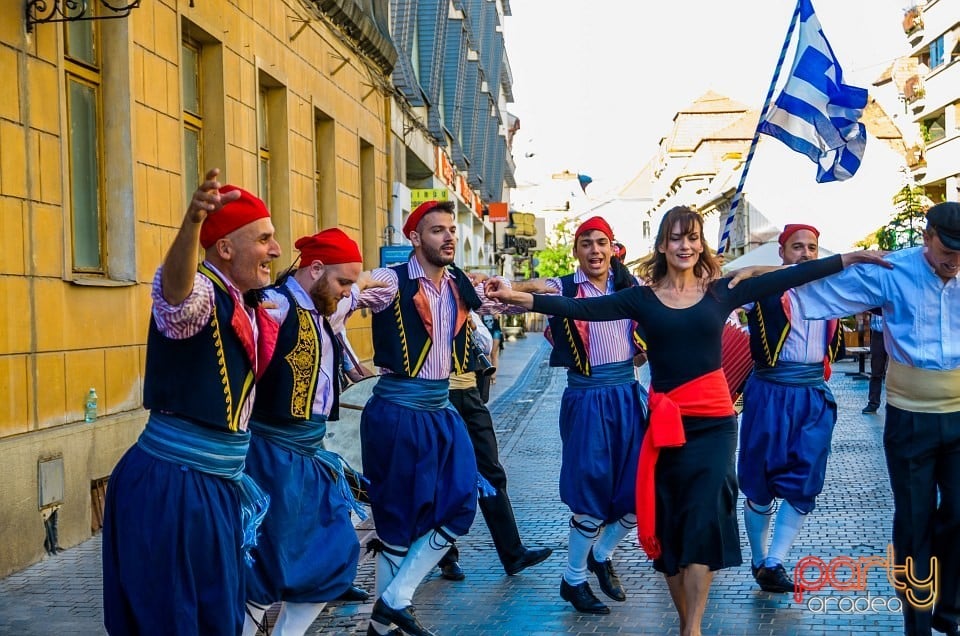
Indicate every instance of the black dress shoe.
{"type": "Point", "coordinates": [945, 626]}
{"type": "Point", "coordinates": [582, 598]}
{"type": "Point", "coordinates": [354, 594]}
{"type": "Point", "coordinates": [528, 559]}
{"type": "Point", "coordinates": [870, 408]}
{"type": "Point", "coordinates": [606, 577]}
{"type": "Point", "coordinates": [774, 579]}
{"type": "Point", "coordinates": [405, 619]}
{"type": "Point", "coordinates": [452, 571]}
{"type": "Point", "coordinates": [373, 632]}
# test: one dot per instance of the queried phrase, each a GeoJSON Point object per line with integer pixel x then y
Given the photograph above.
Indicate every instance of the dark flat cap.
{"type": "Point", "coordinates": [945, 219]}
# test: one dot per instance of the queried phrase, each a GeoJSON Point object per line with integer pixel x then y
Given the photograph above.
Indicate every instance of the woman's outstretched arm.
{"type": "Point", "coordinates": [622, 304]}
{"type": "Point", "coordinates": [781, 280]}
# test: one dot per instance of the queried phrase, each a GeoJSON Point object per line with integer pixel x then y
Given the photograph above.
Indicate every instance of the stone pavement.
{"type": "Point", "coordinates": [61, 595]}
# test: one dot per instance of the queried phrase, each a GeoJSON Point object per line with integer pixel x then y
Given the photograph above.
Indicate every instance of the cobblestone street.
{"type": "Point", "coordinates": [61, 595]}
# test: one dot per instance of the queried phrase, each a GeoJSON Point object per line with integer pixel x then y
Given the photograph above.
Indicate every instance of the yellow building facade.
{"type": "Point", "coordinates": [105, 129]}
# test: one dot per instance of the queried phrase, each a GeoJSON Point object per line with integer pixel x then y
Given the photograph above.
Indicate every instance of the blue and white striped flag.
{"type": "Point", "coordinates": [816, 113]}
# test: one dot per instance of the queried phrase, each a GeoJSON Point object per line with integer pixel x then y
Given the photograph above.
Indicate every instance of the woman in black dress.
{"type": "Point", "coordinates": [689, 527]}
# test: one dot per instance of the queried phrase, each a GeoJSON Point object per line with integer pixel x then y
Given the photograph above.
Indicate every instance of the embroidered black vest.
{"type": "Point", "coordinates": [569, 349]}
{"type": "Point", "coordinates": [769, 328]}
{"type": "Point", "coordinates": [400, 338]}
{"type": "Point", "coordinates": [288, 387]}
{"type": "Point", "coordinates": [206, 377]}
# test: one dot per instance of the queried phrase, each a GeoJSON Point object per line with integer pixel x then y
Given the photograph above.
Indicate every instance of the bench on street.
{"type": "Point", "coordinates": [861, 355]}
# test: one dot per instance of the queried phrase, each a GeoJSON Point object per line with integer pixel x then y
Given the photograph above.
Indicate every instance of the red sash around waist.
{"type": "Point", "coordinates": [706, 396]}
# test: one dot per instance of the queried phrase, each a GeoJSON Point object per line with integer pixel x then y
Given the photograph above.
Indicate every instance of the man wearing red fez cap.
{"type": "Point", "coordinates": [792, 228]}
{"type": "Point", "coordinates": [421, 336]}
{"type": "Point", "coordinates": [178, 502]}
{"type": "Point", "coordinates": [297, 396]}
{"type": "Point", "coordinates": [597, 479]}
{"type": "Point", "coordinates": [787, 423]}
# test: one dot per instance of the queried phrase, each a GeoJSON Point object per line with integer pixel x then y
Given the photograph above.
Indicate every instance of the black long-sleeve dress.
{"type": "Point", "coordinates": [696, 483]}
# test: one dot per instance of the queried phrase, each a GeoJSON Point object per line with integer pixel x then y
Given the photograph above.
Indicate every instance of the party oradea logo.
{"type": "Point", "coordinates": [814, 580]}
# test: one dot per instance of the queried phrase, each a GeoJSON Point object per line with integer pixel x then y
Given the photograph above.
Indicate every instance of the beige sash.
{"type": "Point", "coordinates": [463, 381]}
{"type": "Point", "coordinates": [923, 390]}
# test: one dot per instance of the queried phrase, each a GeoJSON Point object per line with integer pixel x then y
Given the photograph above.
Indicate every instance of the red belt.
{"type": "Point", "coordinates": [706, 396]}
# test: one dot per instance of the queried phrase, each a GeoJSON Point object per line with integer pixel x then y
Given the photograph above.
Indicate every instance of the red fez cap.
{"type": "Point", "coordinates": [790, 228]}
{"type": "Point", "coordinates": [231, 216]}
{"type": "Point", "coordinates": [330, 247]}
{"type": "Point", "coordinates": [422, 210]}
{"type": "Point", "coordinates": [594, 223]}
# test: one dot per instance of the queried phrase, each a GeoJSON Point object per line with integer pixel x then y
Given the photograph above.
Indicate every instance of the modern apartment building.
{"type": "Point", "coordinates": [932, 96]}
{"type": "Point", "coordinates": [450, 126]}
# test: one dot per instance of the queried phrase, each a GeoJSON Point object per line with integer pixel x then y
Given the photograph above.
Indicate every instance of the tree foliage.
{"type": "Point", "coordinates": [557, 259]}
{"type": "Point", "coordinates": [905, 229]}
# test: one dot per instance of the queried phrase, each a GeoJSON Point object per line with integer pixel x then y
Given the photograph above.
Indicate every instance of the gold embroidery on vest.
{"type": "Point", "coordinates": [583, 366]}
{"type": "Point", "coordinates": [304, 361]}
{"type": "Point", "coordinates": [222, 367]}
{"type": "Point", "coordinates": [233, 416]}
{"type": "Point", "coordinates": [403, 334]}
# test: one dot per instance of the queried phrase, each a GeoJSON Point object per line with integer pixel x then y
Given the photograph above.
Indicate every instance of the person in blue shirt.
{"type": "Point", "coordinates": [920, 299]}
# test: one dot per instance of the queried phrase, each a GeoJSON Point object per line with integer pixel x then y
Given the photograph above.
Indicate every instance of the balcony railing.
{"type": "Point", "coordinates": [914, 93]}
{"type": "Point", "coordinates": [913, 24]}
{"type": "Point", "coordinates": [916, 161]}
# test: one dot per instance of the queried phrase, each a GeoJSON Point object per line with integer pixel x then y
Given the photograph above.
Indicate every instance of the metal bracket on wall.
{"type": "Point", "coordinates": [304, 23]}
{"type": "Point", "coordinates": [343, 62]}
{"type": "Point", "coordinates": [369, 92]}
{"type": "Point", "coordinates": [41, 11]}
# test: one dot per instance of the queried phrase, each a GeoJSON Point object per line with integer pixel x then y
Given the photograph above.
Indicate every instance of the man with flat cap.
{"type": "Point", "coordinates": [416, 450]}
{"type": "Point", "coordinates": [788, 417]}
{"type": "Point", "coordinates": [307, 551]}
{"type": "Point", "coordinates": [180, 514]}
{"type": "Point", "coordinates": [920, 299]}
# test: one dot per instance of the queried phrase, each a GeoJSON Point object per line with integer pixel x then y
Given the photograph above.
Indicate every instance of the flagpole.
{"type": "Point", "coordinates": [725, 237]}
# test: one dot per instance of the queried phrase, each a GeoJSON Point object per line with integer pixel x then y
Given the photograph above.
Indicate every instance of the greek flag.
{"type": "Point", "coordinates": [816, 113]}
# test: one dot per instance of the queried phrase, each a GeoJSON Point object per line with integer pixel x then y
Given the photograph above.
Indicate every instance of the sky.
{"type": "Point", "coordinates": [596, 84]}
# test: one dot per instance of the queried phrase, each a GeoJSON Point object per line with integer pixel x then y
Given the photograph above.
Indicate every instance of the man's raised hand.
{"type": "Point", "coordinates": [207, 198]}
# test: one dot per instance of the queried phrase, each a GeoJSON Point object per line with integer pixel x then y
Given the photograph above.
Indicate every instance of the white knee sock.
{"type": "Point", "coordinates": [785, 532]}
{"type": "Point", "coordinates": [756, 519]}
{"type": "Point", "coordinates": [422, 557]}
{"type": "Point", "coordinates": [252, 625]}
{"type": "Point", "coordinates": [296, 618]}
{"type": "Point", "coordinates": [389, 558]}
{"type": "Point", "coordinates": [584, 530]}
{"type": "Point", "coordinates": [611, 535]}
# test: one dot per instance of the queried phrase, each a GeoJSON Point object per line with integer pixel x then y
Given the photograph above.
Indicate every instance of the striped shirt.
{"type": "Point", "coordinates": [187, 319]}
{"type": "Point", "coordinates": [609, 341]}
{"type": "Point", "coordinates": [806, 341]}
{"type": "Point", "coordinates": [323, 400]}
{"type": "Point", "coordinates": [442, 309]}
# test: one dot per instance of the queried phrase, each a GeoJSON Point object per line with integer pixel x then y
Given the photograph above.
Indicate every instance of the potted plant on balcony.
{"type": "Point", "coordinates": [912, 20]}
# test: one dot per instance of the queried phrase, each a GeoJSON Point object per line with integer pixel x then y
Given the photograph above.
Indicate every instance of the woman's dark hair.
{"type": "Point", "coordinates": [655, 267]}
